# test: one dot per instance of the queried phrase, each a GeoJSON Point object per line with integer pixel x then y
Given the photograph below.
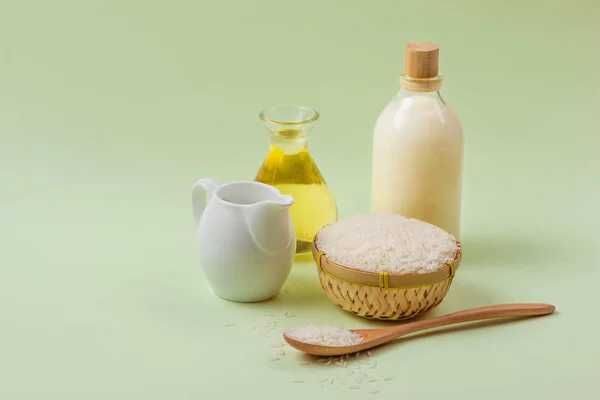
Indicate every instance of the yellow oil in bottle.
{"type": "Point", "coordinates": [290, 168]}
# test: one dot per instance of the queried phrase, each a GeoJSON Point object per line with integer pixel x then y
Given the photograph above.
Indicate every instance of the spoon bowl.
{"type": "Point", "coordinates": [371, 338]}
{"type": "Point", "coordinates": [375, 337]}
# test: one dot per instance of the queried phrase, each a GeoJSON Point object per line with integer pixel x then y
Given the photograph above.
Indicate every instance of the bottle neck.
{"type": "Point", "coordinates": [421, 84]}
{"type": "Point", "coordinates": [289, 146]}
{"type": "Point", "coordinates": [430, 94]}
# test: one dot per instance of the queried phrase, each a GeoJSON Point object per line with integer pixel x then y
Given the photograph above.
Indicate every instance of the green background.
{"type": "Point", "coordinates": [110, 110]}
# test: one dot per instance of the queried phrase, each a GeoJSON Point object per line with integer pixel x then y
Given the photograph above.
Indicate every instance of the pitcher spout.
{"type": "Point", "coordinates": [285, 200]}
{"type": "Point", "coordinates": [270, 224]}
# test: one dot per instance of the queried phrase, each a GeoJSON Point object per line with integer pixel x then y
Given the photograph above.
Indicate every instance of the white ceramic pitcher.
{"type": "Point", "coordinates": [246, 239]}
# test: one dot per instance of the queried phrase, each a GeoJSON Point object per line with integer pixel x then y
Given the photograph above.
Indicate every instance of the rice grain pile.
{"type": "Point", "coordinates": [387, 242]}
{"type": "Point", "coordinates": [325, 335]}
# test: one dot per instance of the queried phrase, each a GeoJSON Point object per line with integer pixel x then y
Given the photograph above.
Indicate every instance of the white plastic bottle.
{"type": "Point", "coordinates": [418, 147]}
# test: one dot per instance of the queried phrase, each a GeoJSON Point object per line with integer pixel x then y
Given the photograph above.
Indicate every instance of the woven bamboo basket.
{"type": "Point", "coordinates": [383, 295]}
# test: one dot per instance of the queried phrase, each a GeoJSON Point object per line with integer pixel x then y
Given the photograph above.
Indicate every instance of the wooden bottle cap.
{"type": "Point", "coordinates": [421, 60]}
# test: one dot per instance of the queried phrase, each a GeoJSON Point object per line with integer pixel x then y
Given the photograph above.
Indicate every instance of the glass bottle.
{"type": "Point", "coordinates": [418, 147]}
{"type": "Point", "coordinates": [290, 168]}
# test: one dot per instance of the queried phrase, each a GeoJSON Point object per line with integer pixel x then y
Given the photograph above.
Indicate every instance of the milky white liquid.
{"type": "Point", "coordinates": [417, 161]}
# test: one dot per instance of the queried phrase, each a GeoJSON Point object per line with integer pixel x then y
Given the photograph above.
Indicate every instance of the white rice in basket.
{"type": "Point", "coordinates": [325, 335]}
{"type": "Point", "coordinates": [387, 242]}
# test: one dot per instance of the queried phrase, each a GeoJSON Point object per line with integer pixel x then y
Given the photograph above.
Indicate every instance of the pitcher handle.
{"type": "Point", "coordinates": [201, 194]}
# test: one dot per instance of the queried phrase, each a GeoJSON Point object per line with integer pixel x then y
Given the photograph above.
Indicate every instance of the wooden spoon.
{"type": "Point", "coordinates": [376, 337]}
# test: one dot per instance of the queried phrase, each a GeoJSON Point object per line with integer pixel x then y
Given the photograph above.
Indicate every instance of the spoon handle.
{"type": "Point", "coordinates": [473, 314]}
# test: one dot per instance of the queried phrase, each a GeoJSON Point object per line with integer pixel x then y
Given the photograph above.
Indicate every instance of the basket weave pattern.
{"type": "Point", "coordinates": [383, 304]}
{"type": "Point", "coordinates": [383, 295]}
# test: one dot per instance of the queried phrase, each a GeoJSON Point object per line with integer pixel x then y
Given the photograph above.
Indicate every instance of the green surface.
{"type": "Point", "coordinates": [110, 110]}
